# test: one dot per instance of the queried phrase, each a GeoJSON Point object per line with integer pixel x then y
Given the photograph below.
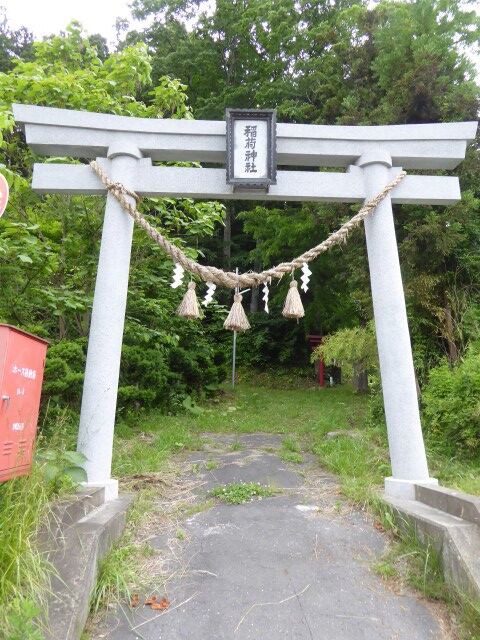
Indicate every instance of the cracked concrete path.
{"type": "Point", "coordinates": [294, 566]}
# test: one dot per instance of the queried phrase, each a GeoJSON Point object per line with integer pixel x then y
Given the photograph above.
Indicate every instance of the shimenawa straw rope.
{"type": "Point", "coordinates": [229, 279]}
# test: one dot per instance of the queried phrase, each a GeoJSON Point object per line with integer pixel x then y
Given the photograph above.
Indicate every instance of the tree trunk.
{"type": "Point", "coordinates": [62, 327]}
{"type": "Point", "coordinates": [227, 237]}
{"type": "Point", "coordinates": [419, 391]}
{"type": "Point", "coordinates": [450, 336]}
{"type": "Point", "coordinates": [360, 379]}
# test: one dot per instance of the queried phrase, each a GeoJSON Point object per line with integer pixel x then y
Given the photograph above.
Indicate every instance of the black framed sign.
{"type": "Point", "coordinates": [251, 148]}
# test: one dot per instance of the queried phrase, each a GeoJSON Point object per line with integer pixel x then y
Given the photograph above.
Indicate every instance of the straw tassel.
{"type": "Point", "coordinates": [293, 307]}
{"type": "Point", "coordinates": [237, 319]}
{"type": "Point", "coordinates": [188, 307]}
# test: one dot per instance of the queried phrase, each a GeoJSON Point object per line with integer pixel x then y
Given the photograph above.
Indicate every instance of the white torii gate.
{"type": "Point", "coordinates": [372, 156]}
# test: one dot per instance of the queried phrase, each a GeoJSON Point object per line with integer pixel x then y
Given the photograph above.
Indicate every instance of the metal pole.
{"type": "Point", "coordinates": [234, 352]}
{"type": "Point", "coordinates": [407, 450]}
{"type": "Point", "coordinates": [234, 358]}
{"type": "Point", "coordinates": [99, 400]}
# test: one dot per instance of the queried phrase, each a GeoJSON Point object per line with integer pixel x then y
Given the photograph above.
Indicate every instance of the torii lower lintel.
{"type": "Point", "coordinates": [372, 155]}
{"type": "Point", "coordinates": [210, 184]}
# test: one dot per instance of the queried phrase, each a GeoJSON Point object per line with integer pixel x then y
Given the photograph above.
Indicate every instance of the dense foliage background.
{"type": "Point", "coordinates": [352, 62]}
{"type": "Point", "coordinates": [346, 62]}
{"type": "Point", "coordinates": [49, 245]}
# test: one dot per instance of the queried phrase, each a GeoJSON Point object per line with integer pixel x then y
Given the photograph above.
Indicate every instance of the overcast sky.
{"type": "Point", "coordinates": [44, 17]}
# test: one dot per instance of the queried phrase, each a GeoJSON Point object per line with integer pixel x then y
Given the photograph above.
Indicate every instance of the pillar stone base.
{"type": "Point", "coordinates": [405, 489]}
{"type": "Point", "coordinates": [110, 486]}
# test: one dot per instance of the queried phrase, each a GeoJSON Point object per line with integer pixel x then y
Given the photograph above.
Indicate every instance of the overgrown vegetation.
{"type": "Point", "coordinates": [286, 403]}
{"type": "Point", "coordinates": [241, 492]}
{"type": "Point", "coordinates": [291, 451]}
{"type": "Point", "coordinates": [316, 62]}
{"type": "Point", "coordinates": [49, 244]}
{"type": "Point", "coordinates": [356, 452]}
{"type": "Point", "coordinates": [412, 562]}
{"type": "Point", "coordinates": [451, 400]}
{"type": "Point", "coordinates": [417, 563]}
{"type": "Point", "coordinates": [121, 569]}
{"type": "Point", "coordinates": [25, 504]}
{"type": "Point", "coordinates": [24, 573]}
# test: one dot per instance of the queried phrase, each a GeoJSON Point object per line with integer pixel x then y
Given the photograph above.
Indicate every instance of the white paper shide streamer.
{"type": "Point", "coordinates": [266, 293]}
{"type": "Point", "coordinates": [209, 295]}
{"type": "Point", "coordinates": [178, 273]}
{"type": "Point", "coordinates": [306, 273]}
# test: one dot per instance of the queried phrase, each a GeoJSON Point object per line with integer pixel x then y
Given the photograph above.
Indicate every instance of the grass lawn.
{"type": "Point", "coordinates": [290, 405]}
{"type": "Point", "coordinates": [295, 407]}
{"type": "Point", "coordinates": [284, 403]}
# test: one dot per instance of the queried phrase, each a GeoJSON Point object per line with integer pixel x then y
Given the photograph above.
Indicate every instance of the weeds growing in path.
{"type": "Point", "coordinates": [241, 492]}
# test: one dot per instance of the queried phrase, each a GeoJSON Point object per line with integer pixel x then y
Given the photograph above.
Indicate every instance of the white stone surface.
{"type": "Point", "coordinates": [374, 149]}
{"type": "Point", "coordinates": [211, 184]}
{"type": "Point", "coordinates": [97, 418]}
{"type": "Point", "coordinates": [407, 450]}
{"type": "Point", "coordinates": [110, 487]}
{"type": "Point", "coordinates": [405, 489]}
{"type": "Point", "coordinates": [61, 132]}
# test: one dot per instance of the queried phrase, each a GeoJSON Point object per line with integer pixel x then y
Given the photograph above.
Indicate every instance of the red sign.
{"type": "Point", "coordinates": [3, 194]}
{"type": "Point", "coordinates": [22, 358]}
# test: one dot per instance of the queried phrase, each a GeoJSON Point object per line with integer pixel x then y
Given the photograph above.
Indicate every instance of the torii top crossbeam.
{"type": "Point", "coordinates": [59, 132]}
{"type": "Point", "coordinates": [125, 147]}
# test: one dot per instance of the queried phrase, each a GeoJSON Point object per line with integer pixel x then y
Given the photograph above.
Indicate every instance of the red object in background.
{"type": "Point", "coordinates": [22, 361]}
{"type": "Point", "coordinates": [314, 341]}
{"type": "Point", "coordinates": [3, 194]}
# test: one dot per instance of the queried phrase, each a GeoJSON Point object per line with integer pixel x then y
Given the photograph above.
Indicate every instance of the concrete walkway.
{"type": "Point", "coordinates": [294, 566]}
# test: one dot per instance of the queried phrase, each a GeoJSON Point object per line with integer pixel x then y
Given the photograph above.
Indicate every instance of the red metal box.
{"type": "Point", "coordinates": [22, 361]}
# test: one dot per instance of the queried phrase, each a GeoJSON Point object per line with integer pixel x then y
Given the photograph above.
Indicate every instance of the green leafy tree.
{"type": "Point", "coordinates": [49, 245]}
{"type": "Point", "coordinates": [14, 43]}
{"type": "Point", "coordinates": [355, 350]}
{"type": "Point", "coordinates": [348, 62]}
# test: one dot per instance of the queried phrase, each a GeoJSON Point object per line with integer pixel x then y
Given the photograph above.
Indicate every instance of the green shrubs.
{"type": "Point", "coordinates": [272, 340]}
{"type": "Point", "coordinates": [451, 406]}
{"type": "Point", "coordinates": [24, 571]}
{"type": "Point", "coordinates": [156, 371]}
{"type": "Point", "coordinates": [162, 376]}
{"type": "Point", "coordinates": [64, 371]}
{"type": "Point", "coordinates": [450, 402]}
{"type": "Point", "coordinates": [60, 467]}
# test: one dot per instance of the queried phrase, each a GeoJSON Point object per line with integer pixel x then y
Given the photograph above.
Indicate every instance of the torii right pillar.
{"type": "Point", "coordinates": [405, 439]}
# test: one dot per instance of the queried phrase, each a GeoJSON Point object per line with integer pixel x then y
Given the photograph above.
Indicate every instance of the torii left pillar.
{"type": "Point", "coordinates": [99, 400]}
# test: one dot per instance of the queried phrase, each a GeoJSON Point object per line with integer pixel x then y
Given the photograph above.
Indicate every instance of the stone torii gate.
{"type": "Point", "coordinates": [125, 148]}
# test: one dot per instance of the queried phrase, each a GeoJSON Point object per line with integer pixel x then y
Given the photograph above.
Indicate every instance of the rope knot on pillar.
{"type": "Point", "coordinates": [118, 189]}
